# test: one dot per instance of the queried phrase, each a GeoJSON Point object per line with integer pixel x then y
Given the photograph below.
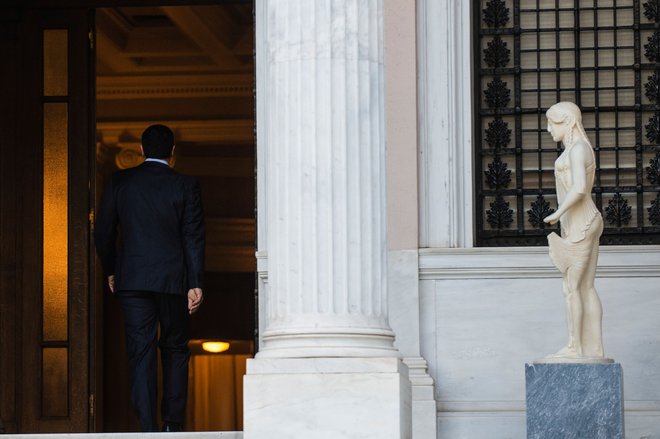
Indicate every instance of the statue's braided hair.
{"type": "Point", "coordinates": [569, 114]}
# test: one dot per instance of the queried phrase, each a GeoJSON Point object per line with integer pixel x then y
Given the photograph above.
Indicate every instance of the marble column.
{"type": "Point", "coordinates": [327, 367]}
{"type": "Point", "coordinates": [326, 180]}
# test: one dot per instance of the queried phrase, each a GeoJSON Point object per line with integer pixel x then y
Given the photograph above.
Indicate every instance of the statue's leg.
{"type": "Point", "coordinates": [573, 318]}
{"type": "Point", "coordinates": [592, 333]}
{"type": "Point", "coordinates": [569, 314]}
{"type": "Point", "coordinates": [573, 309]}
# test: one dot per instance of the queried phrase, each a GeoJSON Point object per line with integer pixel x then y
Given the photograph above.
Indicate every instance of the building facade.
{"type": "Point", "coordinates": [473, 295]}
{"type": "Point", "coordinates": [401, 167]}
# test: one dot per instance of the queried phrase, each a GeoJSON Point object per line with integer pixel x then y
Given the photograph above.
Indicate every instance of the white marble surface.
{"type": "Point", "coordinates": [327, 367]}
{"type": "Point", "coordinates": [444, 51]}
{"type": "Point", "coordinates": [320, 78]}
{"type": "Point", "coordinates": [618, 261]}
{"type": "Point", "coordinates": [493, 425]}
{"type": "Point", "coordinates": [481, 344]}
{"type": "Point", "coordinates": [404, 317]}
{"type": "Point", "coordinates": [485, 312]}
{"type": "Point", "coordinates": [308, 398]}
{"type": "Point", "coordinates": [290, 366]}
{"type": "Point", "coordinates": [403, 296]}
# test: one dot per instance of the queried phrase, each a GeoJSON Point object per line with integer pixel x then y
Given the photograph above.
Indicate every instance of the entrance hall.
{"type": "Point", "coordinates": [85, 79]}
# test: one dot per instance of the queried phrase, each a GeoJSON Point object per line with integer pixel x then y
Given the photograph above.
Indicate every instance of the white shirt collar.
{"type": "Point", "coordinates": [165, 162]}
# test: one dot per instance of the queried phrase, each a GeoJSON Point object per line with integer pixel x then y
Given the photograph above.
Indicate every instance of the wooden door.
{"type": "Point", "coordinates": [46, 160]}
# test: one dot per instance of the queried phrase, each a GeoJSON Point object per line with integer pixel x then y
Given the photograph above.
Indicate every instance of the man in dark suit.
{"type": "Point", "coordinates": [155, 268]}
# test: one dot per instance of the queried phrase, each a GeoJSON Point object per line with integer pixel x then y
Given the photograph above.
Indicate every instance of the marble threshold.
{"type": "Point", "coordinates": [182, 435]}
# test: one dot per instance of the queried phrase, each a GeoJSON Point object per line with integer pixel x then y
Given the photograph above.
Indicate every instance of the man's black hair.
{"type": "Point", "coordinates": [157, 142]}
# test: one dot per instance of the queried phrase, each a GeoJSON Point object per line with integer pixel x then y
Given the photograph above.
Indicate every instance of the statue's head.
{"type": "Point", "coordinates": [563, 119]}
{"type": "Point", "coordinates": [564, 112]}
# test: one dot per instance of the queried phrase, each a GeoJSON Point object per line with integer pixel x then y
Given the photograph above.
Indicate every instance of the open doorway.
{"type": "Point", "coordinates": [191, 68]}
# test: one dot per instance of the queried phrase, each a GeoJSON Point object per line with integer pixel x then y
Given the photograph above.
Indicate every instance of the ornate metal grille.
{"type": "Point", "coordinates": [604, 55]}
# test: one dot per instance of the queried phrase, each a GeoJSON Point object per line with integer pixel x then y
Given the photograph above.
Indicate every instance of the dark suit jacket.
{"type": "Point", "coordinates": [158, 214]}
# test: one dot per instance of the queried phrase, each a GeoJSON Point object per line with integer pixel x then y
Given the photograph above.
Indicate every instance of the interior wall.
{"type": "Point", "coordinates": [171, 65]}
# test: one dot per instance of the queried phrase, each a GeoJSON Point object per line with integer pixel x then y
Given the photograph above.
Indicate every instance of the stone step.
{"type": "Point", "coordinates": [184, 435]}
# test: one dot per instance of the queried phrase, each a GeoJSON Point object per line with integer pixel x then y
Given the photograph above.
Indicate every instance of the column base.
{"type": "Point", "coordinates": [320, 339]}
{"type": "Point", "coordinates": [574, 401]}
{"type": "Point", "coordinates": [327, 398]}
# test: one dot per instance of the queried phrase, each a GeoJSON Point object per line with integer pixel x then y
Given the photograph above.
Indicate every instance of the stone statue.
{"type": "Point", "coordinates": [575, 253]}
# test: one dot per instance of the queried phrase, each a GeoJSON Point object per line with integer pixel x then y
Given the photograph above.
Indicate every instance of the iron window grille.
{"type": "Point", "coordinates": [604, 55]}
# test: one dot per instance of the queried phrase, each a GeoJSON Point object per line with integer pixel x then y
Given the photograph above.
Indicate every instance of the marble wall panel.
{"type": "Point", "coordinates": [481, 319]}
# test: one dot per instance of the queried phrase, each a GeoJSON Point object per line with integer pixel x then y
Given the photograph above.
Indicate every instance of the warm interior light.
{"type": "Point", "coordinates": [215, 346]}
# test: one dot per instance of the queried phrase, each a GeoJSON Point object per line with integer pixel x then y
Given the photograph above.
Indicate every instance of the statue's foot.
{"type": "Point", "coordinates": [571, 355]}
{"type": "Point", "coordinates": [566, 352]}
{"type": "Point", "coordinates": [593, 352]}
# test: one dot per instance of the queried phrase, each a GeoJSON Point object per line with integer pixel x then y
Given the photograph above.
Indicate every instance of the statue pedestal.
{"type": "Point", "coordinates": [574, 401]}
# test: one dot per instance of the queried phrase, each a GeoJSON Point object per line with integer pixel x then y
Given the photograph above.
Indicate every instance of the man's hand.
{"type": "Point", "coordinates": [111, 283]}
{"type": "Point", "coordinates": [195, 298]}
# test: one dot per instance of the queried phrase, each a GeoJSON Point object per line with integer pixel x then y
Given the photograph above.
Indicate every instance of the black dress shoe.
{"type": "Point", "coordinates": [172, 427]}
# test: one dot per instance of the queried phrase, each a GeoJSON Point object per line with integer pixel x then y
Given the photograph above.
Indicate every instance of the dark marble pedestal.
{"type": "Point", "coordinates": [574, 401]}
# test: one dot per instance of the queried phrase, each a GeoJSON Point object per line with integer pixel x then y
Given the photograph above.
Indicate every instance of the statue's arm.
{"type": "Point", "coordinates": [578, 163]}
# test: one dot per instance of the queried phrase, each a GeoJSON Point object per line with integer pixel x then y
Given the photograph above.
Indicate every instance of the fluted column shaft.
{"type": "Point", "coordinates": [325, 180]}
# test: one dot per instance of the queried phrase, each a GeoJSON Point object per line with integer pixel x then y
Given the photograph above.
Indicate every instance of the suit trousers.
{"type": "Point", "coordinates": [143, 311]}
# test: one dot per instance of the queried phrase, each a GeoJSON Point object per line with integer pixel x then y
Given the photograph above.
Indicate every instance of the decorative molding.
{"type": "Point", "coordinates": [128, 158]}
{"type": "Point", "coordinates": [498, 134]}
{"type": "Point", "coordinates": [499, 216]}
{"type": "Point", "coordinates": [531, 262]}
{"type": "Point", "coordinates": [230, 244]}
{"type": "Point", "coordinates": [496, 14]}
{"type": "Point", "coordinates": [539, 209]}
{"type": "Point", "coordinates": [174, 86]}
{"type": "Point", "coordinates": [217, 166]}
{"type": "Point", "coordinates": [652, 88]}
{"type": "Point", "coordinates": [418, 373]}
{"type": "Point", "coordinates": [652, 10]}
{"type": "Point", "coordinates": [221, 258]}
{"type": "Point", "coordinates": [497, 94]}
{"type": "Point", "coordinates": [231, 232]}
{"type": "Point", "coordinates": [262, 263]}
{"type": "Point", "coordinates": [653, 169]}
{"type": "Point", "coordinates": [497, 54]}
{"type": "Point", "coordinates": [240, 131]}
{"type": "Point", "coordinates": [652, 48]}
{"type": "Point", "coordinates": [128, 155]}
{"type": "Point", "coordinates": [446, 407]}
{"type": "Point", "coordinates": [618, 213]}
{"type": "Point", "coordinates": [498, 175]}
{"type": "Point", "coordinates": [654, 211]}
